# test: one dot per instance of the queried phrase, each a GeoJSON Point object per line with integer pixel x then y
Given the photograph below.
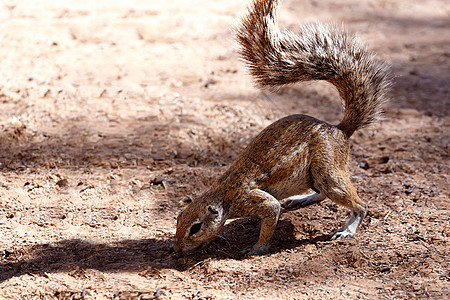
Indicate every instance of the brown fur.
{"type": "Point", "coordinates": [298, 152]}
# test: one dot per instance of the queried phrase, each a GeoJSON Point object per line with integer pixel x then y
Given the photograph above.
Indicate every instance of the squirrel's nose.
{"type": "Point", "coordinates": [176, 248]}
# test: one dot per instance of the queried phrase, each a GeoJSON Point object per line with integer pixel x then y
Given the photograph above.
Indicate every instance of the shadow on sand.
{"type": "Point", "coordinates": [74, 256]}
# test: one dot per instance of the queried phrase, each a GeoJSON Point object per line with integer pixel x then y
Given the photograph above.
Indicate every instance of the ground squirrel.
{"type": "Point", "coordinates": [298, 152]}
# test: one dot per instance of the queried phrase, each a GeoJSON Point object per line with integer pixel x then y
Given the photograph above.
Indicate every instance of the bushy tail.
{"type": "Point", "coordinates": [318, 52]}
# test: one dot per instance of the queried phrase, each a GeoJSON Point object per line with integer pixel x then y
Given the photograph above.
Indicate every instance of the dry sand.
{"type": "Point", "coordinates": [113, 112]}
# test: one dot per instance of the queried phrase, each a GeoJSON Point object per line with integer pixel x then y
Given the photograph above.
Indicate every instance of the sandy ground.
{"type": "Point", "coordinates": [114, 112]}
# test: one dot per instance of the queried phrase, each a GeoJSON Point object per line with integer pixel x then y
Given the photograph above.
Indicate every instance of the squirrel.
{"type": "Point", "coordinates": [297, 152]}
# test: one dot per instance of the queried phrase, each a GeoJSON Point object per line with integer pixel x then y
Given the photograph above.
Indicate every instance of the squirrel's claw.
{"type": "Point", "coordinates": [255, 250]}
{"type": "Point", "coordinates": [338, 235]}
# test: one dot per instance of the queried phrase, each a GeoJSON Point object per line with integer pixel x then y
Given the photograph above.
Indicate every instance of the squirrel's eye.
{"type": "Point", "coordinates": [195, 228]}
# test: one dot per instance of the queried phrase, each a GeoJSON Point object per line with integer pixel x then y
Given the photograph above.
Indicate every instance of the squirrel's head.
{"type": "Point", "coordinates": [198, 224]}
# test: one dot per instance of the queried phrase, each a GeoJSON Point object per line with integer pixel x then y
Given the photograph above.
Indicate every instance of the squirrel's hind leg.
{"type": "Point", "coordinates": [335, 184]}
{"type": "Point", "coordinates": [349, 229]}
{"type": "Point", "coordinates": [300, 201]}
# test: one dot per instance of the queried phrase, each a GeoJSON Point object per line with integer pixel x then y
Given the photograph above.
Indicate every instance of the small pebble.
{"type": "Point", "coordinates": [62, 183]}
{"type": "Point", "coordinates": [385, 269]}
{"type": "Point", "coordinates": [157, 294]}
{"type": "Point", "coordinates": [410, 190]}
{"type": "Point", "coordinates": [364, 165]}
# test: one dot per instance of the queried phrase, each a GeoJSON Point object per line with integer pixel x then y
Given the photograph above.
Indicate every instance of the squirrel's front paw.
{"type": "Point", "coordinates": [256, 250]}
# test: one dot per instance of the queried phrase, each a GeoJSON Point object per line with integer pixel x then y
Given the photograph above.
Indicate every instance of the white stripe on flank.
{"type": "Point", "coordinates": [289, 157]}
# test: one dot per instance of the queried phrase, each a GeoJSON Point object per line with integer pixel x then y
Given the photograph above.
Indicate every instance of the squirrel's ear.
{"type": "Point", "coordinates": [213, 210]}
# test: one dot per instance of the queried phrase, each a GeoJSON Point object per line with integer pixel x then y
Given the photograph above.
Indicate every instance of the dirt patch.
{"type": "Point", "coordinates": [113, 113]}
